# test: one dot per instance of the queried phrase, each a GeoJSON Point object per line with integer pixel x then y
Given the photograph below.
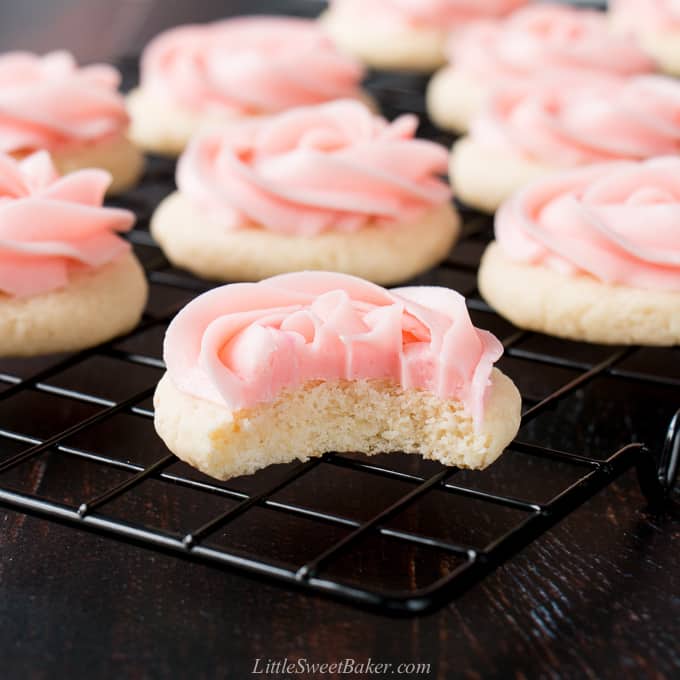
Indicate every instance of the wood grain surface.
{"type": "Point", "coordinates": [595, 598]}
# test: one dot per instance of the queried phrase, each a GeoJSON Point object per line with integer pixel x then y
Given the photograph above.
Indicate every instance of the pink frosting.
{"type": "Point", "coordinates": [433, 14]}
{"type": "Point", "coordinates": [652, 15]}
{"type": "Point", "coordinates": [602, 119]}
{"type": "Point", "coordinates": [241, 344]}
{"type": "Point", "coordinates": [335, 166]}
{"type": "Point", "coordinates": [48, 102]}
{"type": "Point", "coordinates": [51, 226]}
{"type": "Point", "coordinates": [546, 41]}
{"type": "Point", "coordinates": [248, 65]}
{"type": "Point", "coordinates": [618, 222]}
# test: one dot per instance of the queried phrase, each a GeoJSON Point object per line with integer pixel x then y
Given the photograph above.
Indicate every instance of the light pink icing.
{"type": "Point", "coordinates": [51, 226]}
{"type": "Point", "coordinates": [601, 119]}
{"type": "Point", "coordinates": [241, 344]}
{"type": "Point", "coordinates": [547, 42]}
{"type": "Point", "coordinates": [432, 14]}
{"type": "Point", "coordinates": [309, 170]}
{"type": "Point", "coordinates": [248, 65]}
{"type": "Point", "coordinates": [48, 102]}
{"type": "Point", "coordinates": [652, 15]}
{"type": "Point", "coordinates": [618, 222]}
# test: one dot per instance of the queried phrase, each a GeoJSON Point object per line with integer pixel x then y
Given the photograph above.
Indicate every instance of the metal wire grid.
{"type": "Point", "coordinates": [570, 476]}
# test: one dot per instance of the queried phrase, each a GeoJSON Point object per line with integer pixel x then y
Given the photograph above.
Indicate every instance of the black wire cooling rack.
{"type": "Point", "coordinates": [393, 532]}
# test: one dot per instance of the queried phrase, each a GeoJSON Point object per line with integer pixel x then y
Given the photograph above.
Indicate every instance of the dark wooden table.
{"type": "Point", "coordinates": [598, 597]}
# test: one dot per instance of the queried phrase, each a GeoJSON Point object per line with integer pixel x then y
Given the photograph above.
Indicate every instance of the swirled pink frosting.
{"type": "Point", "coordinates": [51, 226]}
{"type": "Point", "coordinates": [546, 41]}
{"type": "Point", "coordinates": [653, 15]}
{"type": "Point", "coordinates": [434, 14]}
{"type": "Point", "coordinates": [601, 119]}
{"type": "Point", "coordinates": [618, 222]}
{"type": "Point", "coordinates": [48, 102]}
{"type": "Point", "coordinates": [336, 166]}
{"type": "Point", "coordinates": [241, 344]}
{"type": "Point", "coordinates": [248, 65]}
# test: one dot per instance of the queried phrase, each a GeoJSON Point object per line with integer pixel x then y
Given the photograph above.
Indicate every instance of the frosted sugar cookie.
{"type": "Point", "coordinates": [67, 280]}
{"type": "Point", "coordinates": [304, 363]}
{"type": "Point", "coordinates": [592, 254]}
{"type": "Point", "coordinates": [402, 34]}
{"type": "Point", "coordinates": [548, 42]}
{"type": "Point", "coordinates": [327, 187]}
{"type": "Point", "coordinates": [527, 133]}
{"type": "Point", "coordinates": [194, 76]}
{"type": "Point", "coordinates": [77, 114]}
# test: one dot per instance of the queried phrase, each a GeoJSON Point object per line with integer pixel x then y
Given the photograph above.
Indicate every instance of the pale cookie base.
{"type": "Point", "coordinates": [344, 416]}
{"type": "Point", "coordinates": [383, 255]}
{"type": "Point", "coordinates": [483, 178]}
{"type": "Point", "coordinates": [664, 48]}
{"type": "Point", "coordinates": [417, 50]}
{"type": "Point", "coordinates": [578, 308]}
{"type": "Point", "coordinates": [119, 156]}
{"type": "Point", "coordinates": [454, 99]}
{"type": "Point", "coordinates": [94, 307]}
{"type": "Point", "coordinates": [160, 127]}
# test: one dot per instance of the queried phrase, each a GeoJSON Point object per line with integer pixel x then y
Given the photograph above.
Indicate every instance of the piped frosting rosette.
{"type": "Point", "coordinates": [242, 344]}
{"type": "Point", "coordinates": [618, 222]}
{"type": "Point", "coordinates": [48, 102]}
{"type": "Point", "coordinates": [429, 14]}
{"type": "Point", "coordinates": [248, 65]}
{"type": "Point", "coordinates": [334, 167]}
{"type": "Point", "coordinates": [51, 226]}
{"type": "Point", "coordinates": [609, 119]}
{"type": "Point", "coordinates": [546, 41]}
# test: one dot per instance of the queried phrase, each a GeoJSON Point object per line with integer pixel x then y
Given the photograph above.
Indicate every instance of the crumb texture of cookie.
{"type": "Point", "coordinates": [578, 307]}
{"type": "Point", "coordinates": [371, 416]}
{"type": "Point", "coordinates": [94, 307]}
{"type": "Point", "coordinates": [384, 255]}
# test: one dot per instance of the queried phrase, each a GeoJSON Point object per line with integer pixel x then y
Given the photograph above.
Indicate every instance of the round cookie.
{"type": "Point", "coordinates": [67, 279]}
{"type": "Point", "coordinates": [368, 416]}
{"type": "Point", "coordinates": [532, 131]}
{"type": "Point", "coordinates": [577, 308]}
{"type": "Point", "coordinates": [384, 255]}
{"type": "Point", "coordinates": [385, 34]}
{"type": "Point", "coordinates": [541, 42]}
{"type": "Point", "coordinates": [95, 306]}
{"type": "Point", "coordinates": [332, 187]}
{"type": "Point", "coordinates": [198, 76]}
{"type": "Point", "coordinates": [77, 114]}
{"type": "Point", "coordinates": [300, 364]}
{"type": "Point", "coordinates": [591, 254]}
